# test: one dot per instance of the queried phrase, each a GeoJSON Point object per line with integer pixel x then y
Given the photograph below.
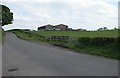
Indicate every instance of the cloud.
{"type": "Point", "coordinates": [56, 0]}
{"type": "Point", "coordinates": [89, 14]}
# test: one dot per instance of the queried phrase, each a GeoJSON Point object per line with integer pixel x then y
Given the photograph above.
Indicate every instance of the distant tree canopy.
{"type": "Point", "coordinates": [104, 28]}
{"type": "Point", "coordinates": [6, 16]}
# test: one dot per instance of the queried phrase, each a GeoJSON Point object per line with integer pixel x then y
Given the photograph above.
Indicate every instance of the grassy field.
{"type": "Point", "coordinates": [77, 34]}
{"type": "Point", "coordinates": [106, 51]}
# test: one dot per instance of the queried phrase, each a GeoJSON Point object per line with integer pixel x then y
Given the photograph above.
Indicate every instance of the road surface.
{"type": "Point", "coordinates": [24, 58]}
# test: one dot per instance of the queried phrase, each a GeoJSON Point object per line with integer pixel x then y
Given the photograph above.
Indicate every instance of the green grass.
{"type": "Point", "coordinates": [1, 35]}
{"type": "Point", "coordinates": [106, 51]}
{"type": "Point", "coordinates": [77, 34]}
{"type": "Point", "coordinates": [101, 51]}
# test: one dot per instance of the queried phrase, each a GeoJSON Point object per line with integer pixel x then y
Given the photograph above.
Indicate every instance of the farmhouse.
{"type": "Point", "coordinates": [51, 27]}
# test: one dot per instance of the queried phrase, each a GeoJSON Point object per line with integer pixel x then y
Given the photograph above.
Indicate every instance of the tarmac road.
{"type": "Point", "coordinates": [25, 58]}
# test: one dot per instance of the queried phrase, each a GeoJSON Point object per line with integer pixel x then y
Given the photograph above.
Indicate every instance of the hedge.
{"type": "Point", "coordinates": [87, 41]}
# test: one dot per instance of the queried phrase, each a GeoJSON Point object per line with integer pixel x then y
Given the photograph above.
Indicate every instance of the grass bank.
{"type": "Point", "coordinates": [109, 50]}
{"type": "Point", "coordinates": [27, 35]}
{"type": "Point", "coordinates": [1, 35]}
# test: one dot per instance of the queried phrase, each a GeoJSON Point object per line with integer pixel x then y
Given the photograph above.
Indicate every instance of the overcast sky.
{"type": "Point", "coordinates": [86, 14]}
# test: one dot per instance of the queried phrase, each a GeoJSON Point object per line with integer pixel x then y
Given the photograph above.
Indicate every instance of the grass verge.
{"type": "Point", "coordinates": [1, 35]}
{"type": "Point", "coordinates": [27, 35]}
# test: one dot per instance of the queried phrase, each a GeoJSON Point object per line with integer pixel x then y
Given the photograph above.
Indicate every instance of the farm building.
{"type": "Point", "coordinates": [51, 27]}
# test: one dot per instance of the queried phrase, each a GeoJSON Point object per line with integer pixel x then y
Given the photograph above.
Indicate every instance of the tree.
{"type": "Point", "coordinates": [6, 16]}
{"type": "Point", "coordinates": [115, 28]}
{"type": "Point", "coordinates": [100, 29]}
{"type": "Point", "coordinates": [105, 28]}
